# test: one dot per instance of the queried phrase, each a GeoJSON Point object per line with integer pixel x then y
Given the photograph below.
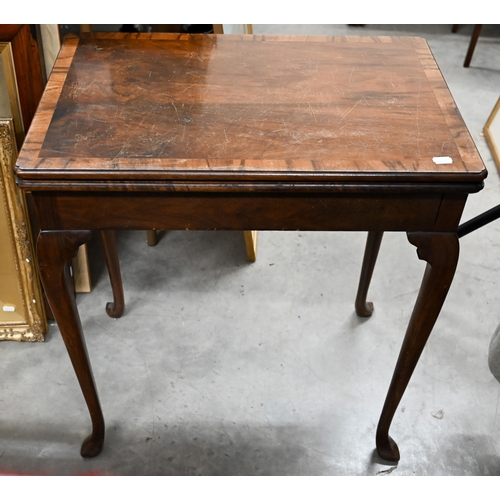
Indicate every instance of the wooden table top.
{"type": "Point", "coordinates": [168, 107]}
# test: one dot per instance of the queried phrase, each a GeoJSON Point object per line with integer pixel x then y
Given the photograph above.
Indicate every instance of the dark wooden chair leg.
{"type": "Point", "coordinates": [440, 250]}
{"type": "Point", "coordinates": [472, 44]}
{"type": "Point", "coordinates": [108, 239]}
{"type": "Point", "coordinates": [152, 237]}
{"type": "Point", "coordinates": [363, 308]}
{"type": "Point", "coordinates": [55, 249]}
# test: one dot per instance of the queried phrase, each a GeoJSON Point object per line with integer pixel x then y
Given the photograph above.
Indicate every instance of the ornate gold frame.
{"type": "Point", "coordinates": [32, 326]}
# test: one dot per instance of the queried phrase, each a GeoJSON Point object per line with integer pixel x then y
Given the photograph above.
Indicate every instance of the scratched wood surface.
{"type": "Point", "coordinates": [249, 108]}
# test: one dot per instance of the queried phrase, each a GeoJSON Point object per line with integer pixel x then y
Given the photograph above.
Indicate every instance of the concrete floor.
{"type": "Point", "coordinates": [221, 367]}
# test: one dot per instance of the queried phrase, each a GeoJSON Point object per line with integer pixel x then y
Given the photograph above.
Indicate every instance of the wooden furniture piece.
{"type": "Point", "coordinates": [472, 44]}
{"type": "Point", "coordinates": [302, 133]}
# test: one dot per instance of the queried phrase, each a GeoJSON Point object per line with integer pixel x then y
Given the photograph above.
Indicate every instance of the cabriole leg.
{"type": "Point", "coordinates": [108, 239]}
{"type": "Point", "coordinates": [440, 250]}
{"type": "Point", "coordinates": [55, 249]}
{"type": "Point", "coordinates": [363, 308]}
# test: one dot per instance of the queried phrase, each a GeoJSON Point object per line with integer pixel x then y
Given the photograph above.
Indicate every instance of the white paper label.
{"type": "Point", "coordinates": [9, 309]}
{"type": "Point", "coordinates": [442, 160]}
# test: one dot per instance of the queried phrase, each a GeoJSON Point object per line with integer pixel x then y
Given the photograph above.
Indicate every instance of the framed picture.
{"type": "Point", "coordinates": [10, 105]}
{"type": "Point", "coordinates": [22, 315]}
{"type": "Point", "coordinates": [492, 133]}
{"type": "Point", "coordinates": [21, 63]}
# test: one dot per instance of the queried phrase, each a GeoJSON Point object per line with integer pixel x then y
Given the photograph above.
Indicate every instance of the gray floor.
{"type": "Point", "coordinates": [221, 367]}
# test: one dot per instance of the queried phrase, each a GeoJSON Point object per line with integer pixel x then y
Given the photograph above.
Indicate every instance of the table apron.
{"type": "Point", "coordinates": [257, 211]}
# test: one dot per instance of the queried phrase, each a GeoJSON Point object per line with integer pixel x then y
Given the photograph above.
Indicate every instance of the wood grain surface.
{"type": "Point", "coordinates": [249, 133]}
{"type": "Point", "coordinates": [248, 108]}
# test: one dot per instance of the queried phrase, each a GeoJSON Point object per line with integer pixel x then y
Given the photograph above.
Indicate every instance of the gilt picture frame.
{"type": "Point", "coordinates": [22, 314]}
{"type": "Point", "coordinates": [491, 132]}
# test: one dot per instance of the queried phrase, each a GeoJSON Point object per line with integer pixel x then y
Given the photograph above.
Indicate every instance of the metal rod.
{"type": "Point", "coordinates": [479, 221]}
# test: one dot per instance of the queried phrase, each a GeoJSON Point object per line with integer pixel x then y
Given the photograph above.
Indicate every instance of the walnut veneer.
{"type": "Point", "coordinates": [136, 131]}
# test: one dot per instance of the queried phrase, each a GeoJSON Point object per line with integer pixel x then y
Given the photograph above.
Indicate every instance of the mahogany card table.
{"type": "Point", "coordinates": [205, 132]}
